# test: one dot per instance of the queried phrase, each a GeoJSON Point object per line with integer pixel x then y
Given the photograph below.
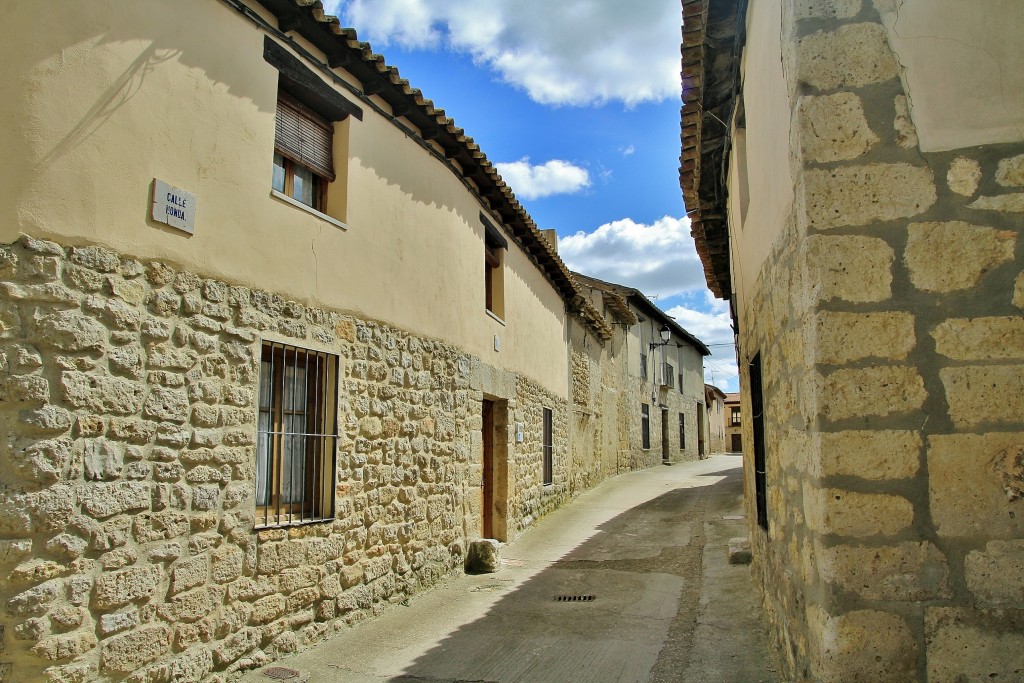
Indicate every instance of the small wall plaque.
{"type": "Point", "coordinates": [174, 207]}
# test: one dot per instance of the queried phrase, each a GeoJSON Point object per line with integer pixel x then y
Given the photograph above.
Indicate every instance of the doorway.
{"type": "Point", "coordinates": [494, 477]}
{"type": "Point", "coordinates": [664, 435]}
{"type": "Point", "coordinates": [701, 453]}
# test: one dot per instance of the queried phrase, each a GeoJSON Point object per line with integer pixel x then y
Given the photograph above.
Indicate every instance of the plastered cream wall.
{"type": "Point", "coordinates": [113, 95]}
{"type": "Point", "coordinates": [766, 100]}
{"type": "Point", "coordinates": [938, 42]}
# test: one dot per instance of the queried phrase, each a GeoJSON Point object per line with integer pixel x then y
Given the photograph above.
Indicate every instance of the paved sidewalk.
{"type": "Point", "coordinates": [650, 547]}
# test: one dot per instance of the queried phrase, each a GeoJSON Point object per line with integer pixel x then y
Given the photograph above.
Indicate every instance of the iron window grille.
{"type": "Point", "coordinates": [296, 436]}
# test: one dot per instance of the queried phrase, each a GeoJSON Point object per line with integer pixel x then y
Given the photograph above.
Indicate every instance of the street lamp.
{"type": "Point", "coordinates": [665, 333]}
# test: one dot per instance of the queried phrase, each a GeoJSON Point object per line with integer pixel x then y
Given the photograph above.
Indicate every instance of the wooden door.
{"type": "Point", "coordinates": [487, 484]}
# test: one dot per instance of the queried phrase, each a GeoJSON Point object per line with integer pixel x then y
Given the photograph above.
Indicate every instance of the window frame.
{"type": "Point", "coordinates": [314, 403]}
{"type": "Point", "coordinates": [735, 416]}
{"type": "Point", "coordinates": [307, 124]}
{"type": "Point", "coordinates": [548, 447]}
{"type": "Point", "coordinates": [495, 247]}
{"type": "Point", "coordinates": [682, 431]}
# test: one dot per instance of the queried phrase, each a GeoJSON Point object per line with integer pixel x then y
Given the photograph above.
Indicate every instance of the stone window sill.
{"type": "Point", "coordinates": [308, 209]}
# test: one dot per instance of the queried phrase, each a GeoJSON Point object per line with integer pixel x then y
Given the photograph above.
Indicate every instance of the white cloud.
{"type": "Point", "coordinates": [658, 259]}
{"type": "Point", "coordinates": [575, 53]}
{"type": "Point", "coordinates": [552, 177]}
{"type": "Point", "coordinates": [712, 326]}
{"type": "Point", "coordinates": [627, 151]}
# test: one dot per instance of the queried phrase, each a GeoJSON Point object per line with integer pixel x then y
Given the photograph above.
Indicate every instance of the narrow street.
{"type": "Point", "coordinates": [646, 593]}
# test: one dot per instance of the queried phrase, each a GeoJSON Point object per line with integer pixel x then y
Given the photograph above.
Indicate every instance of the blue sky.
{"type": "Point", "coordinates": [577, 104]}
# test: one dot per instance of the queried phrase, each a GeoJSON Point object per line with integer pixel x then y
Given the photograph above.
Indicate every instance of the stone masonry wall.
{"type": "Point", "coordinates": [127, 547]}
{"type": "Point", "coordinates": [892, 338]}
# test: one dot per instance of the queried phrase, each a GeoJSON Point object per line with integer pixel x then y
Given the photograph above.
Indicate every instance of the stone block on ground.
{"type": "Point", "coordinates": [484, 556]}
{"type": "Point", "coordinates": [739, 550]}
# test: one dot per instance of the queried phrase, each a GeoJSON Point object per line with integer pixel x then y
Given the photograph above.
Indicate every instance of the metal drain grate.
{"type": "Point", "coordinates": [280, 673]}
{"type": "Point", "coordinates": [575, 598]}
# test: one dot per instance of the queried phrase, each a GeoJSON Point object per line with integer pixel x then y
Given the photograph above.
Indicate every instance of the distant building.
{"type": "Point", "coordinates": [714, 399]}
{"type": "Point", "coordinates": [661, 398]}
{"type": "Point", "coordinates": [733, 423]}
{"type": "Point", "coordinates": [854, 173]}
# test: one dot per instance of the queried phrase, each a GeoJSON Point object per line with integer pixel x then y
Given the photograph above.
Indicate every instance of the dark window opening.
{"type": "Point", "coordinates": [548, 447]}
{"type": "Point", "coordinates": [682, 431]}
{"type": "Point", "coordinates": [645, 425]}
{"type": "Point", "coordinates": [757, 423]}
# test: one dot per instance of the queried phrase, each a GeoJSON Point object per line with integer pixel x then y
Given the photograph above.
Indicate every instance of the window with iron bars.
{"type": "Point", "coordinates": [296, 436]}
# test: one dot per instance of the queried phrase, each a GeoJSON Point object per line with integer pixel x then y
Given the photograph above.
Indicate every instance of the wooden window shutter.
{"type": "Point", "coordinates": [305, 137]}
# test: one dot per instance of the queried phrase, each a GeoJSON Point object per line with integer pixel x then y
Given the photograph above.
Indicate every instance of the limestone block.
{"type": "Point", "coordinates": [24, 389]}
{"type": "Point", "coordinates": [1018, 291]}
{"type": "Point", "coordinates": [102, 394]}
{"type": "Point", "coordinates": [1010, 172]}
{"type": "Point", "coordinates": [833, 128]}
{"type": "Point", "coordinates": [71, 331]}
{"type": "Point", "coordinates": [167, 404]}
{"type": "Point", "coordinates": [973, 645]}
{"type": "Point", "coordinates": [103, 459]}
{"type": "Point", "coordinates": [879, 390]}
{"type": "Point", "coordinates": [104, 500]}
{"type": "Point", "coordinates": [866, 646]}
{"type": "Point", "coordinates": [1005, 203]}
{"type": "Point", "coordinates": [978, 250]}
{"type": "Point", "coordinates": [852, 268]}
{"type": "Point", "coordinates": [976, 483]}
{"type": "Point", "coordinates": [118, 621]}
{"type": "Point", "coordinates": [827, 9]}
{"type": "Point", "coordinates": [845, 337]}
{"type": "Point", "coordinates": [67, 646]}
{"type": "Point", "coordinates": [846, 513]}
{"type": "Point", "coordinates": [738, 550]}
{"type": "Point", "coordinates": [963, 176]}
{"type": "Point", "coordinates": [997, 387]}
{"type": "Point", "coordinates": [236, 645]}
{"type": "Point", "coordinates": [41, 461]}
{"type": "Point", "coordinates": [133, 649]}
{"type": "Point", "coordinates": [95, 258]}
{"type": "Point", "coordinates": [859, 195]}
{"type": "Point", "coordinates": [266, 610]}
{"type": "Point", "coordinates": [226, 563]}
{"type": "Point", "coordinates": [189, 573]}
{"type": "Point", "coordinates": [33, 601]}
{"type": "Point", "coordinates": [991, 338]}
{"type": "Point", "coordinates": [484, 556]}
{"type": "Point", "coordinates": [119, 588]}
{"type": "Point", "coordinates": [906, 131]}
{"type": "Point", "coordinates": [906, 572]}
{"type": "Point", "coordinates": [852, 56]}
{"type": "Point", "coordinates": [193, 605]}
{"type": "Point", "coordinates": [875, 455]}
{"type": "Point", "coordinates": [996, 575]}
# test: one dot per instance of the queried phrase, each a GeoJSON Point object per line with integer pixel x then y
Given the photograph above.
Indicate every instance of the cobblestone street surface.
{"type": "Point", "coordinates": [628, 583]}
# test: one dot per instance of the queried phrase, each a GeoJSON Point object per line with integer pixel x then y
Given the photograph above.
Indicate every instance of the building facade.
{"type": "Point", "coordinates": [276, 342]}
{"type": "Point", "coordinates": [733, 423]}
{"type": "Point", "coordinates": [660, 369]}
{"type": "Point", "coordinates": [854, 170]}
{"type": "Point", "coordinates": [714, 399]}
